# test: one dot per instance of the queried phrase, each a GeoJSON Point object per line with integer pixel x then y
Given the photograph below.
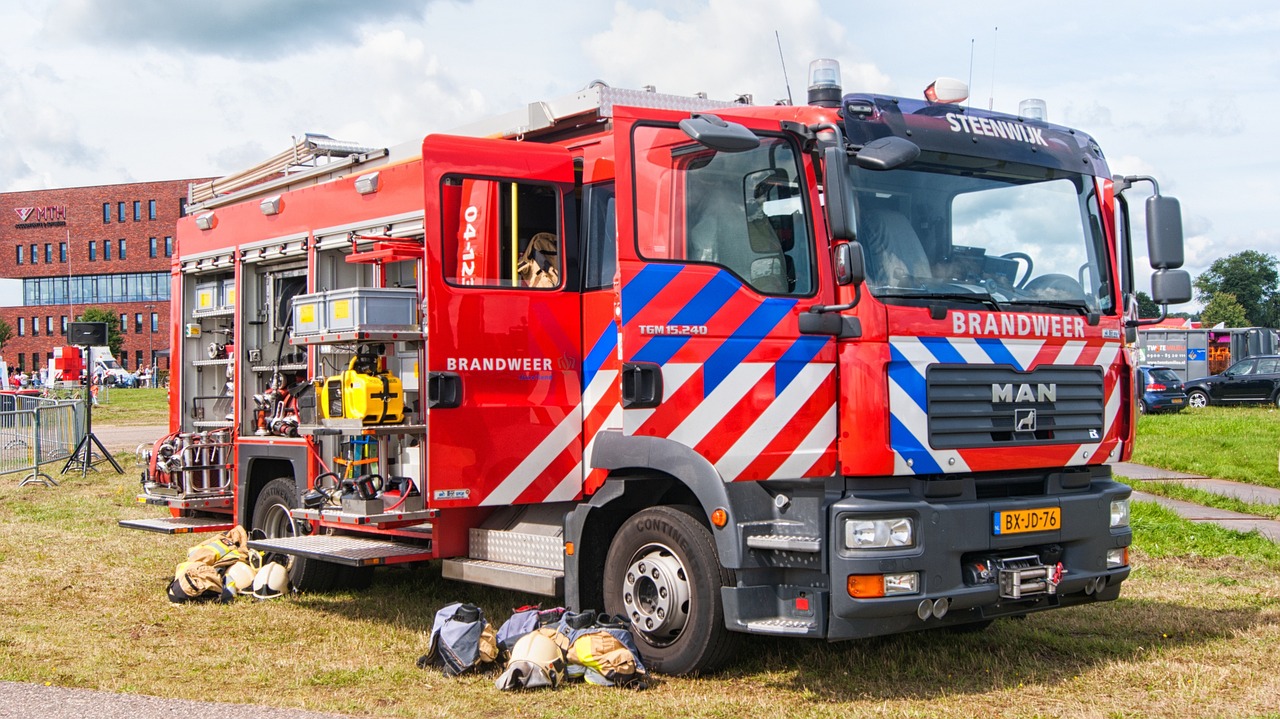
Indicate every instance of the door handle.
{"type": "Point", "coordinates": [444, 390]}
{"type": "Point", "coordinates": [641, 385]}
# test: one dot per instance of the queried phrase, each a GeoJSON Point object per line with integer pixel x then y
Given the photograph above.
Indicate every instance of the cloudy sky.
{"type": "Point", "coordinates": [108, 91]}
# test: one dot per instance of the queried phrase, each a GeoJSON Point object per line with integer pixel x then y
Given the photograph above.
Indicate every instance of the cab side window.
{"type": "Point", "coordinates": [743, 211]}
{"type": "Point", "coordinates": [501, 234]}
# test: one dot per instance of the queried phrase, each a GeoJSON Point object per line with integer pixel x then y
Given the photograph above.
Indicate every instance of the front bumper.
{"type": "Point", "coordinates": [953, 535]}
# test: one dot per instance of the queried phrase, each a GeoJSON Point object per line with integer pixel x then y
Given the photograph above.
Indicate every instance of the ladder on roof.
{"type": "Point", "coordinates": [306, 152]}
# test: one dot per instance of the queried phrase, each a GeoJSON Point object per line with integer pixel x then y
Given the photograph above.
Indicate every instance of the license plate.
{"type": "Point", "coordinates": [1048, 519]}
{"type": "Point", "coordinates": [1177, 400]}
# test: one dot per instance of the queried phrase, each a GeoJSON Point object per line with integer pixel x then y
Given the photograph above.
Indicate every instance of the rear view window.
{"type": "Point", "coordinates": [1164, 376]}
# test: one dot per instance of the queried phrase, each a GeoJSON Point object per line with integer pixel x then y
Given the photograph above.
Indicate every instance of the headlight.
{"type": "Point", "coordinates": [883, 533]}
{"type": "Point", "coordinates": [1119, 513]}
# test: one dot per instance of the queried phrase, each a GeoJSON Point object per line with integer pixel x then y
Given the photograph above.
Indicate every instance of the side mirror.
{"type": "Point", "coordinates": [851, 267]}
{"type": "Point", "coordinates": [717, 134]}
{"type": "Point", "coordinates": [887, 153]}
{"type": "Point", "coordinates": [1164, 232]}
{"type": "Point", "coordinates": [838, 195]}
{"type": "Point", "coordinates": [1171, 287]}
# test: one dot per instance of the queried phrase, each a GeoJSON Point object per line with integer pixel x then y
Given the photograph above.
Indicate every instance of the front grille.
{"type": "Point", "coordinates": [998, 406]}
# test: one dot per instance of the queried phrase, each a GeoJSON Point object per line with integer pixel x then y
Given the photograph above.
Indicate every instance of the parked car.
{"type": "Point", "coordinates": [1161, 390]}
{"type": "Point", "coordinates": [1256, 379]}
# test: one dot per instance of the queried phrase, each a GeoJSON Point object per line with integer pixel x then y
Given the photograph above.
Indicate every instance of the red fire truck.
{"type": "Point", "coordinates": [837, 370]}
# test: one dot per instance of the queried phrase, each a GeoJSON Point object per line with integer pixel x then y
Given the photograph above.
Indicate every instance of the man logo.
{"type": "Point", "coordinates": [1024, 393]}
{"type": "Point", "coordinates": [1024, 420]}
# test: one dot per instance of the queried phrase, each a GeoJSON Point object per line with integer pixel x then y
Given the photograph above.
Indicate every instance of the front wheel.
{"type": "Point", "coordinates": [664, 575]}
{"type": "Point", "coordinates": [1197, 398]}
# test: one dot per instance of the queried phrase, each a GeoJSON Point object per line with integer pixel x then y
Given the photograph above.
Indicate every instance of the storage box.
{"type": "Point", "coordinates": [227, 295]}
{"type": "Point", "coordinates": [370, 308]}
{"type": "Point", "coordinates": [206, 298]}
{"type": "Point", "coordinates": [309, 314]}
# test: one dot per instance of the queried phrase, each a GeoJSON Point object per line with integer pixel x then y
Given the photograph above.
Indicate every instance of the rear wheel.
{"type": "Point", "coordinates": [271, 517]}
{"type": "Point", "coordinates": [1197, 398]}
{"type": "Point", "coordinates": [663, 574]}
{"type": "Point", "coordinates": [1142, 407]}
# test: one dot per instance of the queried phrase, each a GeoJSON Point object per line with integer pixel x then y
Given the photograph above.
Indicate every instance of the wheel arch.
{"type": "Point", "coordinates": [643, 472]}
{"type": "Point", "coordinates": [261, 465]}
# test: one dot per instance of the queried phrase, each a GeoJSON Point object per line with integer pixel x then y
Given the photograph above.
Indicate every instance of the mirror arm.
{"type": "Point", "coordinates": [1164, 314]}
{"type": "Point", "coordinates": [857, 297]}
{"type": "Point", "coordinates": [1123, 183]}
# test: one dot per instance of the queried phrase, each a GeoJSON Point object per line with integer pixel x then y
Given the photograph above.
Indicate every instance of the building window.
{"type": "Point", "coordinates": [137, 210]}
{"type": "Point", "coordinates": [64, 325]}
{"type": "Point", "coordinates": [168, 246]}
{"type": "Point", "coordinates": [137, 323]}
{"type": "Point", "coordinates": [106, 213]}
{"type": "Point", "coordinates": [22, 326]}
{"type": "Point", "coordinates": [48, 253]}
{"type": "Point", "coordinates": [124, 323]}
{"type": "Point", "coordinates": [62, 252]}
{"type": "Point", "coordinates": [35, 326]}
{"type": "Point", "coordinates": [93, 250]}
{"type": "Point", "coordinates": [182, 207]}
{"type": "Point", "coordinates": [106, 250]}
{"type": "Point", "coordinates": [151, 209]}
{"type": "Point", "coordinates": [20, 254]}
{"type": "Point", "coordinates": [35, 254]}
{"type": "Point", "coordinates": [122, 248]}
{"type": "Point", "coordinates": [120, 211]}
{"type": "Point", "coordinates": [137, 357]}
{"type": "Point", "coordinates": [35, 361]}
{"type": "Point", "coordinates": [155, 322]}
{"type": "Point", "coordinates": [48, 325]}
{"type": "Point", "coordinates": [151, 250]}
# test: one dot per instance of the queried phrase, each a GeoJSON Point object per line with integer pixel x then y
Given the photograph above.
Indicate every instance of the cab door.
{"type": "Point", "coordinates": [717, 261]}
{"type": "Point", "coordinates": [503, 316]}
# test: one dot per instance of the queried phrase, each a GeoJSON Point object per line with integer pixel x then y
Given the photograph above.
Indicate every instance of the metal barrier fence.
{"type": "Point", "coordinates": [35, 431]}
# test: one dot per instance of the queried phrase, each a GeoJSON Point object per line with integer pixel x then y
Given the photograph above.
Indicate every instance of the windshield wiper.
{"type": "Point", "coordinates": [984, 298]}
{"type": "Point", "coordinates": [1060, 304]}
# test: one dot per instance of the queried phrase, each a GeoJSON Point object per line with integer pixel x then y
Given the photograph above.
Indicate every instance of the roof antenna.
{"type": "Point", "coordinates": [970, 101]}
{"type": "Point", "coordinates": [995, 41]}
{"type": "Point", "coordinates": [783, 60]}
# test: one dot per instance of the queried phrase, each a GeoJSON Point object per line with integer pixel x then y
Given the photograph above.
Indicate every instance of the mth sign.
{"type": "Point", "coordinates": [51, 216]}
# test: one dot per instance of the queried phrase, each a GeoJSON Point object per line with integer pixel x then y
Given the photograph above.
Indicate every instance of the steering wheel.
{"type": "Point", "coordinates": [1025, 258]}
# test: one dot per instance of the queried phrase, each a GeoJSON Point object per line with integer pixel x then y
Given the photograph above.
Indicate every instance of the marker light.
{"type": "Point", "coordinates": [1118, 557]}
{"type": "Point", "coordinates": [872, 586]}
{"type": "Point", "coordinates": [207, 221]}
{"type": "Point", "coordinates": [946, 91]}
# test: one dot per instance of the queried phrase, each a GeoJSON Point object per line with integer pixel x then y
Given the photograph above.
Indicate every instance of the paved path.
{"type": "Point", "coordinates": [36, 701]}
{"type": "Point", "coordinates": [1237, 521]}
{"type": "Point", "coordinates": [127, 438]}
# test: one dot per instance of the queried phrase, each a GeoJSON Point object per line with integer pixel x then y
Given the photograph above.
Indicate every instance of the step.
{"type": "Point", "coordinates": [345, 549]}
{"type": "Point", "coordinates": [780, 626]}
{"type": "Point", "coordinates": [785, 542]}
{"type": "Point", "coordinates": [534, 580]}
{"type": "Point", "coordinates": [178, 525]}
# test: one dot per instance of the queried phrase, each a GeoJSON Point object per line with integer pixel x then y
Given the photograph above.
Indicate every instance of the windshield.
{"type": "Point", "coordinates": [961, 229]}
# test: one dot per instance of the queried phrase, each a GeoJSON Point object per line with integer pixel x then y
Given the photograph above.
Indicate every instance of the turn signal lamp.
{"type": "Point", "coordinates": [1118, 557]}
{"type": "Point", "coordinates": [873, 586]}
{"type": "Point", "coordinates": [719, 518]}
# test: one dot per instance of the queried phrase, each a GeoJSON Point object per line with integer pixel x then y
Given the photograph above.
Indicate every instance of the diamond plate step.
{"type": "Point", "coordinates": [343, 549]}
{"type": "Point", "coordinates": [534, 580]}
{"type": "Point", "coordinates": [178, 525]}
{"type": "Point", "coordinates": [780, 626]}
{"type": "Point", "coordinates": [785, 542]}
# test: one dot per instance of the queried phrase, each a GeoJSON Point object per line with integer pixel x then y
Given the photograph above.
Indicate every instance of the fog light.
{"type": "Point", "coordinates": [1117, 558]}
{"type": "Point", "coordinates": [883, 533]}
{"type": "Point", "coordinates": [1120, 513]}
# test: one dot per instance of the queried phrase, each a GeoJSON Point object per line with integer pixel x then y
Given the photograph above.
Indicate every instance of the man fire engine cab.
{"type": "Point", "coordinates": [833, 371]}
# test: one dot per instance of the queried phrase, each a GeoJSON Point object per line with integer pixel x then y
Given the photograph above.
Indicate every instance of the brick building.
{"type": "Point", "coordinates": [108, 246]}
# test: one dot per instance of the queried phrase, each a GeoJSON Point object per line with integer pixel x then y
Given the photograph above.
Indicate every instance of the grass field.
{"type": "Point", "coordinates": [1240, 443]}
{"type": "Point", "coordinates": [133, 407]}
{"type": "Point", "coordinates": [82, 604]}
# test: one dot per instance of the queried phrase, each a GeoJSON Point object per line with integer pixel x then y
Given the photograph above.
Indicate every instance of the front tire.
{"type": "Point", "coordinates": [1197, 398]}
{"type": "Point", "coordinates": [271, 517]}
{"type": "Point", "coordinates": [664, 575]}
